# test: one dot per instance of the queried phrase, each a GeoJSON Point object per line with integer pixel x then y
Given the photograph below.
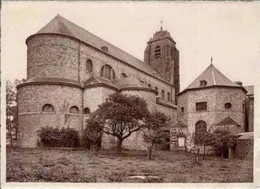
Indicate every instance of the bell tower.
{"type": "Point", "coordinates": [162, 54]}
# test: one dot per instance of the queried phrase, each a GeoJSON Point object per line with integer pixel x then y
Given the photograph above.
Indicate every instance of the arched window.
{"type": "Point", "coordinates": [200, 127]}
{"type": "Point", "coordinates": [149, 85]}
{"type": "Point", "coordinates": [156, 88]}
{"type": "Point", "coordinates": [107, 72]}
{"type": "Point", "coordinates": [86, 111]}
{"type": "Point", "coordinates": [48, 108]}
{"type": "Point", "coordinates": [89, 66]}
{"type": "Point", "coordinates": [163, 95]}
{"type": "Point", "coordinates": [182, 109]}
{"type": "Point", "coordinates": [123, 75]}
{"type": "Point", "coordinates": [228, 105]}
{"type": "Point", "coordinates": [169, 96]}
{"type": "Point", "coordinates": [74, 110]}
{"type": "Point", "coordinates": [157, 52]}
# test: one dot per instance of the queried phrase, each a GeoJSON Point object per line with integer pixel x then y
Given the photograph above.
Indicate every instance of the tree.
{"type": "Point", "coordinates": [203, 138]}
{"type": "Point", "coordinates": [11, 108]}
{"type": "Point", "coordinates": [156, 124]}
{"type": "Point", "coordinates": [121, 115]}
{"type": "Point", "coordinates": [92, 135]}
{"type": "Point", "coordinates": [223, 138]}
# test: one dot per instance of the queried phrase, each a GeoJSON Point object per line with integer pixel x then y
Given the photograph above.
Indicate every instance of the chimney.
{"type": "Point", "coordinates": [239, 83]}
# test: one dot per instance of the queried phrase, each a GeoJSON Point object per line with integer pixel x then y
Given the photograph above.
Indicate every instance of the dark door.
{"type": "Point", "coordinates": [225, 152]}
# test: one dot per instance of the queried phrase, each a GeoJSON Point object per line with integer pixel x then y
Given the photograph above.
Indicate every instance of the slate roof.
{"type": "Point", "coordinates": [213, 77]}
{"type": "Point", "coordinates": [250, 90]}
{"type": "Point", "coordinates": [129, 82]}
{"type": "Point", "coordinates": [226, 121]}
{"type": "Point", "coordinates": [247, 135]}
{"type": "Point", "coordinates": [60, 25]}
{"type": "Point", "coordinates": [94, 80]}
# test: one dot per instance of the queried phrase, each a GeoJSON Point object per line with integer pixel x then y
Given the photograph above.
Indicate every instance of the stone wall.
{"type": "Point", "coordinates": [57, 56]}
{"type": "Point", "coordinates": [31, 118]}
{"type": "Point", "coordinates": [251, 114]}
{"type": "Point", "coordinates": [216, 99]}
{"type": "Point", "coordinates": [99, 59]}
{"type": "Point", "coordinates": [52, 56]}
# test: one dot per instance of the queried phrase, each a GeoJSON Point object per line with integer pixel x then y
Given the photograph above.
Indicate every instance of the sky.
{"type": "Point", "coordinates": [227, 31]}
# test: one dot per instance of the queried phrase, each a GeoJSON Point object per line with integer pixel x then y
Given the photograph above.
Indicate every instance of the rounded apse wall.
{"type": "Point", "coordinates": [47, 105]}
{"type": "Point", "coordinates": [53, 56]}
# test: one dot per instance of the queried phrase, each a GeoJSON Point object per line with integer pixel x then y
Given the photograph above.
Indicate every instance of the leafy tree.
{"type": "Point", "coordinates": [92, 135]}
{"type": "Point", "coordinates": [223, 138]}
{"type": "Point", "coordinates": [156, 123]}
{"type": "Point", "coordinates": [202, 139]}
{"type": "Point", "coordinates": [11, 108]}
{"type": "Point", "coordinates": [121, 115]}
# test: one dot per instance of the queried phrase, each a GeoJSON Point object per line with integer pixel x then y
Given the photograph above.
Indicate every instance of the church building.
{"type": "Point", "coordinates": [71, 71]}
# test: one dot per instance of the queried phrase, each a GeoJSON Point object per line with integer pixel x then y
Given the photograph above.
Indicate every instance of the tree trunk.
{"type": "Point", "coordinates": [198, 153]}
{"type": "Point", "coordinates": [150, 152]}
{"type": "Point", "coordinates": [204, 153]}
{"type": "Point", "coordinates": [119, 145]}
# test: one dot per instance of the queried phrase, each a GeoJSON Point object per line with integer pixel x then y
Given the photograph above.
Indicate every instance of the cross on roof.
{"type": "Point", "coordinates": [161, 24]}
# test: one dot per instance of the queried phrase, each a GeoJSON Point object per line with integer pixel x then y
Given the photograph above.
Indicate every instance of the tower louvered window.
{"type": "Point", "coordinates": [157, 52]}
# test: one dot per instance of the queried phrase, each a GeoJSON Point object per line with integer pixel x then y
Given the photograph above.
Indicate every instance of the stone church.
{"type": "Point", "coordinates": [70, 71]}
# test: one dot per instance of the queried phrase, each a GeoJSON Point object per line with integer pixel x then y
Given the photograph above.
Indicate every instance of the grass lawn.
{"type": "Point", "coordinates": [64, 165]}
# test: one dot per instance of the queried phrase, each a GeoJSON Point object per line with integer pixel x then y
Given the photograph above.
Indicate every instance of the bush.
{"type": "Point", "coordinates": [54, 137]}
{"type": "Point", "coordinates": [92, 135]}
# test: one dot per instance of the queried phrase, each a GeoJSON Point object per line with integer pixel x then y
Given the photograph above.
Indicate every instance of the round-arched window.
{"type": "Point", "coordinates": [89, 66]}
{"type": "Point", "coordinates": [182, 109]}
{"type": "Point", "coordinates": [228, 105]}
{"type": "Point", "coordinates": [149, 85]}
{"type": "Point", "coordinates": [48, 108]}
{"type": "Point", "coordinates": [86, 111]}
{"type": "Point", "coordinates": [123, 75]}
{"type": "Point", "coordinates": [107, 72]}
{"type": "Point", "coordinates": [200, 127]}
{"type": "Point", "coordinates": [74, 110]}
{"type": "Point", "coordinates": [163, 94]}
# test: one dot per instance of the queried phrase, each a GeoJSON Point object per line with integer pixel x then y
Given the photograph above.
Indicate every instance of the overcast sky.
{"type": "Point", "coordinates": [227, 31]}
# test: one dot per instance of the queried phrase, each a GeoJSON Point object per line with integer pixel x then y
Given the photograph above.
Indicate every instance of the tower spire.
{"type": "Point", "coordinates": [211, 60]}
{"type": "Point", "coordinates": [161, 24]}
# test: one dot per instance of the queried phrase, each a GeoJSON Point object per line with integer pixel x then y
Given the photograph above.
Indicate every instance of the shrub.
{"type": "Point", "coordinates": [54, 137]}
{"type": "Point", "coordinates": [92, 135]}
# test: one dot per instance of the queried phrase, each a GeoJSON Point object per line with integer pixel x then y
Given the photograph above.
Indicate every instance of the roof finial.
{"type": "Point", "coordinates": [211, 60]}
{"type": "Point", "coordinates": [161, 24]}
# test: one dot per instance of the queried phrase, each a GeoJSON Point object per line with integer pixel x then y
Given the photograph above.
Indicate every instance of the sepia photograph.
{"type": "Point", "coordinates": [129, 92]}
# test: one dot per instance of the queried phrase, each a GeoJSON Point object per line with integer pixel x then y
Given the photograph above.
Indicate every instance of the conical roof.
{"type": "Point", "coordinates": [60, 25]}
{"type": "Point", "coordinates": [99, 81]}
{"type": "Point", "coordinates": [211, 77]}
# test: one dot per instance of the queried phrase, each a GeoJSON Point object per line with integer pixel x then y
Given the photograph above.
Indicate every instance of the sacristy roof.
{"type": "Point", "coordinates": [250, 90]}
{"type": "Point", "coordinates": [213, 77]}
{"type": "Point", "coordinates": [97, 81]}
{"type": "Point", "coordinates": [226, 121]}
{"type": "Point", "coordinates": [129, 82]}
{"type": "Point", "coordinates": [60, 25]}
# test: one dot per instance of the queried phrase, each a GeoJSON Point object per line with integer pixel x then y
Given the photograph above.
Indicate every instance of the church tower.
{"type": "Point", "coordinates": [162, 54]}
